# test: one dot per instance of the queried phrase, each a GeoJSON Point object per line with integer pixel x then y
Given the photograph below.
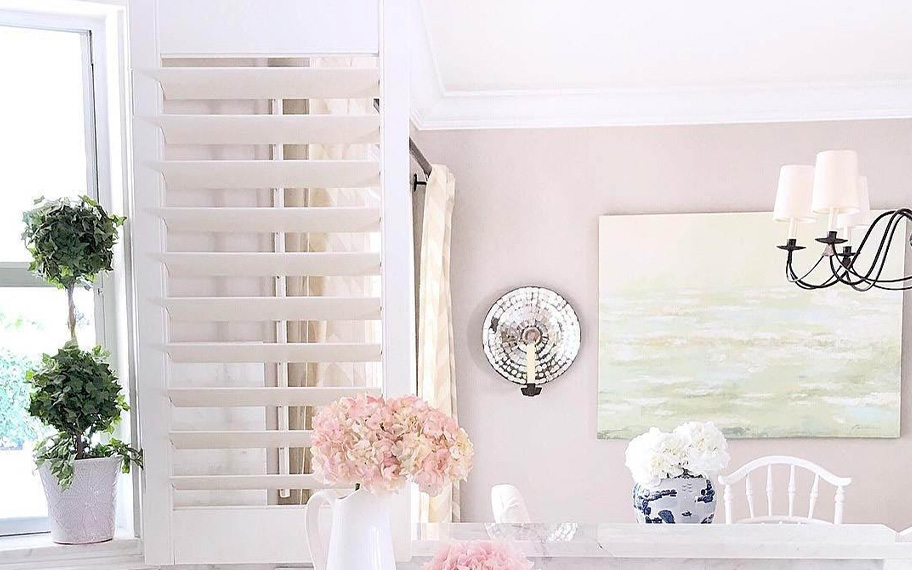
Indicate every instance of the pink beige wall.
{"type": "Point", "coordinates": [527, 210]}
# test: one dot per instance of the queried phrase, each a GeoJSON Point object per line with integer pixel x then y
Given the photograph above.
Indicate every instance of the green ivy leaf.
{"type": "Point", "coordinates": [70, 242]}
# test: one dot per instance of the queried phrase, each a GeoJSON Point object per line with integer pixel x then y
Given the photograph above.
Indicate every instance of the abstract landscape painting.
{"type": "Point", "coordinates": [697, 322]}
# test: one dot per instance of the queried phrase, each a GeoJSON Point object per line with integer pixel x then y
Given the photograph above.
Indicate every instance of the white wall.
{"type": "Point", "coordinates": [527, 210]}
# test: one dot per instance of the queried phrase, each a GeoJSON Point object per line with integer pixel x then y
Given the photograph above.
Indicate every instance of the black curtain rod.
{"type": "Point", "coordinates": [414, 151]}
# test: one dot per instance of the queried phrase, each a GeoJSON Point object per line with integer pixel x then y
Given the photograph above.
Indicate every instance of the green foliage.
{"type": "Point", "coordinates": [58, 452]}
{"type": "Point", "coordinates": [115, 447]}
{"type": "Point", "coordinates": [16, 427]}
{"type": "Point", "coordinates": [70, 242]}
{"type": "Point", "coordinates": [76, 392]}
{"type": "Point", "coordinates": [60, 455]}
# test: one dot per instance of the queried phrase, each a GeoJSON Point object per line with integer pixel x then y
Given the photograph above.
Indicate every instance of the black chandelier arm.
{"type": "Point", "coordinates": [790, 269]}
{"type": "Point", "coordinates": [792, 277]}
{"type": "Point", "coordinates": [842, 266]}
{"type": "Point", "coordinates": [885, 242]}
{"type": "Point", "coordinates": [880, 257]}
{"type": "Point", "coordinates": [843, 273]}
{"type": "Point", "coordinates": [892, 214]}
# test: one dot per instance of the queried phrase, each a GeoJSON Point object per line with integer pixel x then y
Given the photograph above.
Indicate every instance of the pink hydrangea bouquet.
{"type": "Point", "coordinates": [380, 444]}
{"type": "Point", "coordinates": [479, 556]}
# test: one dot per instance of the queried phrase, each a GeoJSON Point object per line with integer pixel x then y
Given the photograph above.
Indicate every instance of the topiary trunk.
{"type": "Point", "coordinates": [71, 314]}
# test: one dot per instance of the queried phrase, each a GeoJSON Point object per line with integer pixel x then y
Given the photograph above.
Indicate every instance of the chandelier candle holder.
{"type": "Point", "coordinates": [833, 187]}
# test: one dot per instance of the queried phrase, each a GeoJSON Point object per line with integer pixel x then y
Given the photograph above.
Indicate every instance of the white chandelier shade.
{"type": "Point", "coordinates": [833, 187]}
{"type": "Point", "coordinates": [836, 183]}
{"type": "Point", "coordinates": [861, 218]}
{"type": "Point", "coordinates": [793, 197]}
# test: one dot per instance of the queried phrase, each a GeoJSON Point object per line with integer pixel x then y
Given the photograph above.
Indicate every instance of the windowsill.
{"type": "Point", "coordinates": [38, 551]}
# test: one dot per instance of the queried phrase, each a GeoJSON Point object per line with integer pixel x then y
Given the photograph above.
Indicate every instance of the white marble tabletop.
{"type": "Point", "coordinates": [690, 547]}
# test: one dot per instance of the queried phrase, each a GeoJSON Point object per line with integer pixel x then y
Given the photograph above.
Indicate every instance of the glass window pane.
{"type": "Point", "coordinates": [42, 113]}
{"type": "Point", "coordinates": [32, 321]}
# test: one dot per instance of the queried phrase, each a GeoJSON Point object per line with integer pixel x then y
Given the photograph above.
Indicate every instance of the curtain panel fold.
{"type": "Point", "coordinates": [436, 351]}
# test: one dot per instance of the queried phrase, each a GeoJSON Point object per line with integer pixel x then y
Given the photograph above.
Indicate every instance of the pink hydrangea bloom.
{"type": "Point", "coordinates": [381, 444]}
{"type": "Point", "coordinates": [481, 555]}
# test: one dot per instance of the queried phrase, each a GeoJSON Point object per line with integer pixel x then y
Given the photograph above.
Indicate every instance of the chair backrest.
{"type": "Point", "coordinates": [508, 505]}
{"type": "Point", "coordinates": [793, 463]}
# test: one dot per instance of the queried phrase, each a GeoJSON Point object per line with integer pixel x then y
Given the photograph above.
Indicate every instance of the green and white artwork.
{"type": "Point", "coordinates": [697, 322]}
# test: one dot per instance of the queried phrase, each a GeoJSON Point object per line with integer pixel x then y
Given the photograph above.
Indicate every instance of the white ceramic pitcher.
{"type": "Point", "coordinates": [359, 538]}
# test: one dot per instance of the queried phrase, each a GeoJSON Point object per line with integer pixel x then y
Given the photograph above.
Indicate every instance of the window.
{"type": "Point", "coordinates": [48, 142]}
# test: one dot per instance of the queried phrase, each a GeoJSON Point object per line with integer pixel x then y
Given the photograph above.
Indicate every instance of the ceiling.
{"type": "Point", "coordinates": [522, 63]}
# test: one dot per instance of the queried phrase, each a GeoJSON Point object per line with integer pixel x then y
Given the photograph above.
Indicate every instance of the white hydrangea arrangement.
{"type": "Point", "coordinates": [694, 449]}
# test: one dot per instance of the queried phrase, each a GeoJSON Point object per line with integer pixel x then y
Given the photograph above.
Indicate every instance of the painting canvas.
{"type": "Point", "coordinates": [697, 322]}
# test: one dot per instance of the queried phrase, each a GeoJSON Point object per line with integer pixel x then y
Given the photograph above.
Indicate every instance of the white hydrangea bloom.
{"type": "Point", "coordinates": [696, 448]}
{"type": "Point", "coordinates": [706, 451]}
{"type": "Point", "coordinates": [654, 456]}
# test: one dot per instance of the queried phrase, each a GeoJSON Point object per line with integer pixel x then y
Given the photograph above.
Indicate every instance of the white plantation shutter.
{"type": "Point", "coordinates": [208, 227]}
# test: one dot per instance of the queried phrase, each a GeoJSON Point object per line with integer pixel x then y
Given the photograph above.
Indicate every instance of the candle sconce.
{"type": "Point", "coordinates": [531, 336]}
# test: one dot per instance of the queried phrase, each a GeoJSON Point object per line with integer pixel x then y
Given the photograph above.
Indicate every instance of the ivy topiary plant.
{"type": "Point", "coordinates": [74, 391]}
{"type": "Point", "coordinates": [71, 243]}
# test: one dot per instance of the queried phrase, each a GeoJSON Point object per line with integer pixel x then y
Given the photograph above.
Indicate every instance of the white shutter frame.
{"type": "Point", "coordinates": [398, 287]}
{"type": "Point", "coordinates": [175, 535]}
{"type": "Point", "coordinates": [147, 234]}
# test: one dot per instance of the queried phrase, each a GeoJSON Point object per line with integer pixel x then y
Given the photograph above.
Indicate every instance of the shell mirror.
{"type": "Point", "coordinates": [531, 336]}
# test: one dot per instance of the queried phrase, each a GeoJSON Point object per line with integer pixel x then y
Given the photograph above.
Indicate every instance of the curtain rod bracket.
{"type": "Point", "coordinates": [416, 183]}
{"type": "Point", "coordinates": [416, 153]}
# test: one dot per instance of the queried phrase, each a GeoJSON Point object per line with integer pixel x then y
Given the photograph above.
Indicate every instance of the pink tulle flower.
{"type": "Point", "coordinates": [481, 555]}
{"type": "Point", "coordinates": [381, 444]}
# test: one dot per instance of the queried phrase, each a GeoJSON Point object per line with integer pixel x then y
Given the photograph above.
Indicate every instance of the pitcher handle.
{"type": "Point", "coordinates": [312, 526]}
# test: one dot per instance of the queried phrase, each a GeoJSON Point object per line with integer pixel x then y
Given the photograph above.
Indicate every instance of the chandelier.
{"type": "Point", "coordinates": [833, 187]}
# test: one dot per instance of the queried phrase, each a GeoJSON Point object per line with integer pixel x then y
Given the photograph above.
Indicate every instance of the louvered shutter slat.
{"type": "Point", "coordinates": [269, 129]}
{"type": "Point", "coordinates": [263, 396]}
{"type": "Point", "coordinates": [240, 439]}
{"type": "Point", "coordinates": [208, 83]}
{"type": "Point", "coordinates": [271, 264]}
{"type": "Point", "coordinates": [249, 482]}
{"type": "Point", "coordinates": [250, 174]}
{"type": "Point", "coordinates": [262, 352]}
{"type": "Point", "coordinates": [240, 220]}
{"type": "Point", "coordinates": [220, 309]}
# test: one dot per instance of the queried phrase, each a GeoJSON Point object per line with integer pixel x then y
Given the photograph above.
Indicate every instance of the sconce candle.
{"type": "Point", "coordinates": [530, 363]}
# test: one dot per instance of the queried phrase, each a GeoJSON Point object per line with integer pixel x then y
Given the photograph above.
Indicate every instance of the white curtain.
{"type": "Point", "coordinates": [436, 356]}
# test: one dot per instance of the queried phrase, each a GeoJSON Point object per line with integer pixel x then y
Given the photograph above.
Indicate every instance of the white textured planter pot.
{"type": "Point", "coordinates": [84, 513]}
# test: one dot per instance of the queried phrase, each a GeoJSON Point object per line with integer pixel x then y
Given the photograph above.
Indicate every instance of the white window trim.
{"type": "Point", "coordinates": [37, 552]}
{"type": "Point", "coordinates": [106, 22]}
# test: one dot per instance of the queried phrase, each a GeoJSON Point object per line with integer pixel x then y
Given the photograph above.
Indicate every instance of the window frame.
{"type": "Point", "coordinates": [105, 95]}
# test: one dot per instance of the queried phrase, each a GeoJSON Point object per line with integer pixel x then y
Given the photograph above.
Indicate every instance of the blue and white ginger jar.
{"type": "Point", "coordinates": [676, 501]}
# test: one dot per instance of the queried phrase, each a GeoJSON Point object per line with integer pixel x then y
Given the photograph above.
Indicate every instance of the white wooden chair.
{"type": "Point", "coordinates": [794, 463]}
{"type": "Point", "coordinates": [508, 505]}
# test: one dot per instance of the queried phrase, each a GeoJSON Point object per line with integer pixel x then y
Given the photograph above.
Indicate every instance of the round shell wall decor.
{"type": "Point", "coordinates": [526, 319]}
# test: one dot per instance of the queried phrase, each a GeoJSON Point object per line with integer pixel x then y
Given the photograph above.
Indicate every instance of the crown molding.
{"type": "Point", "coordinates": [674, 106]}
{"type": "Point", "coordinates": [425, 83]}
{"type": "Point", "coordinates": [434, 107]}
